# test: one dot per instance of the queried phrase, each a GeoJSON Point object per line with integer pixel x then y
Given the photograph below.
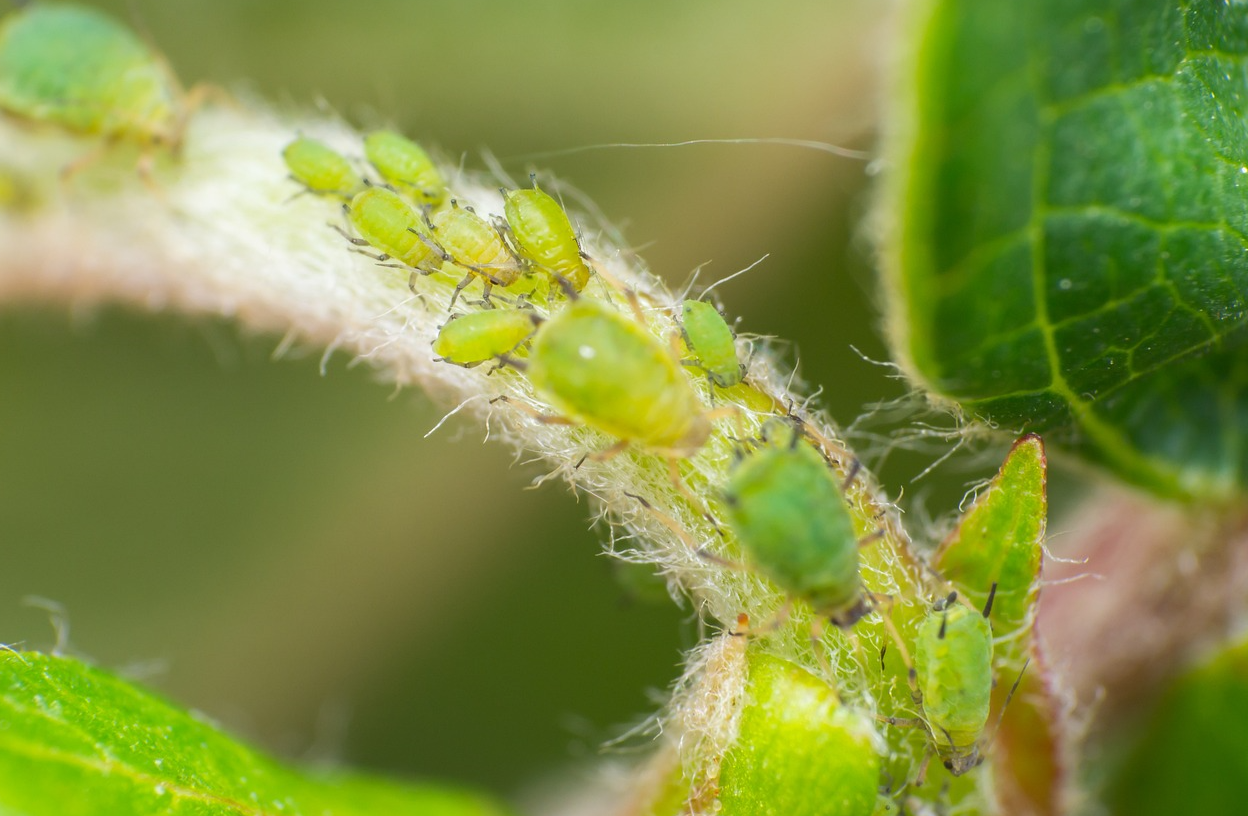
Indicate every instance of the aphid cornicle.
{"type": "Point", "coordinates": [599, 368]}
{"type": "Point", "coordinates": [405, 166]}
{"type": "Point", "coordinates": [474, 338]}
{"type": "Point", "coordinates": [953, 668]}
{"type": "Point", "coordinates": [707, 335]}
{"type": "Point", "coordinates": [320, 168]}
{"type": "Point", "coordinates": [82, 70]}
{"type": "Point", "coordinates": [786, 509]}
{"type": "Point", "coordinates": [543, 235]}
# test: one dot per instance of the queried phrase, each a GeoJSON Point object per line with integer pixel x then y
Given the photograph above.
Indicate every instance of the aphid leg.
{"type": "Point", "coordinates": [720, 561]}
{"type": "Point", "coordinates": [607, 454]}
{"type": "Point", "coordinates": [912, 677]}
{"type": "Point", "coordinates": [855, 468]}
{"type": "Point", "coordinates": [635, 304]}
{"type": "Point", "coordinates": [546, 419]}
{"type": "Point", "coordinates": [668, 522]}
{"type": "Point", "coordinates": [921, 776]}
{"type": "Point", "coordinates": [84, 161]}
{"type": "Point", "coordinates": [459, 287]}
{"type": "Point", "coordinates": [678, 482]}
{"type": "Point", "coordinates": [870, 538]}
{"type": "Point", "coordinates": [777, 620]}
{"type": "Point", "coordinates": [192, 101]}
{"type": "Point", "coordinates": [820, 648]}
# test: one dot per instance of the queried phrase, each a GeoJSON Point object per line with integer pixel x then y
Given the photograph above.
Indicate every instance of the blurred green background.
{"type": "Point", "coordinates": [285, 551]}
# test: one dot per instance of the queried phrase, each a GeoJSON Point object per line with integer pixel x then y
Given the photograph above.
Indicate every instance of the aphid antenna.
{"type": "Point", "coordinates": [736, 274]}
{"type": "Point", "coordinates": [1004, 706]}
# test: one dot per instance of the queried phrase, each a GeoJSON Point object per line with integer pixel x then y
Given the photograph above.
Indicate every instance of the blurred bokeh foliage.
{"type": "Point", "coordinates": [285, 551]}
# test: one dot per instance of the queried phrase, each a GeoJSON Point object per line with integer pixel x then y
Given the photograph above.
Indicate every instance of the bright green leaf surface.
{"type": "Point", "coordinates": [1072, 189]}
{"type": "Point", "coordinates": [1193, 756]}
{"type": "Point", "coordinates": [999, 540]}
{"type": "Point", "coordinates": [75, 741]}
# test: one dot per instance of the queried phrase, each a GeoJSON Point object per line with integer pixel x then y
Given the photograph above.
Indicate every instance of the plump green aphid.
{"type": "Point", "coordinates": [543, 235]}
{"type": "Point", "coordinates": [320, 168]}
{"type": "Point", "coordinates": [468, 241]}
{"type": "Point", "coordinates": [79, 68]}
{"type": "Point", "coordinates": [953, 666]}
{"type": "Point", "coordinates": [601, 369]}
{"type": "Point", "coordinates": [707, 335]}
{"type": "Point", "coordinates": [387, 223]}
{"type": "Point", "coordinates": [786, 509]}
{"type": "Point", "coordinates": [474, 338]}
{"type": "Point", "coordinates": [406, 166]}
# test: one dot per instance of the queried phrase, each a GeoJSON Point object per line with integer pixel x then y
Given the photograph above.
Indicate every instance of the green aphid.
{"type": "Point", "coordinates": [543, 235]}
{"type": "Point", "coordinates": [321, 169]}
{"type": "Point", "coordinates": [405, 166]}
{"type": "Point", "coordinates": [603, 370]}
{"type": "Point", "coordinates": [82, 70]}
{"type": "Point", "coordinates": [953, 667]}
{"type": "Point", "coordinates": [786, 509]}
{"type": "Point", "coordinates": [386, 222]}
{"type": "Point", "coordinates": [468, 241]}
{"type": "Point", "coordinates": [474, 338]}
{"type": "Point", "coordinates": [707, 335]}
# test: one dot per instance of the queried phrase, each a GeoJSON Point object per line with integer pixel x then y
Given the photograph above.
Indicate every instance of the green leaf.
{"type": "Point", "coordinates": [1192, 755]}
{"type": "Point", "coordinates": [1071, 209]}
{"type": "Point", "coordinates": [999, 539]}
{"type": "Point", "coordinates": [75, 741]}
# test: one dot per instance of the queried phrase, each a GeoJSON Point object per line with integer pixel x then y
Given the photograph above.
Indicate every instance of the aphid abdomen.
{"type": "Point", "coordinates": [386, 222]}
{"type": "Point", "coordinates": [471, 243]}
{"type": "Point", "coordinates": [597, 367]}
{"type": "Point", "coordinates": [953, 660]}
{"type": "Point", "coordinates": [544, 235]}
{"type": "Point", "coordinates": [709, 337]}
{"type": "Point", "coordinates": [786, 510]}
{"type": "Point", "coordinates": [480, 336]}
{"type": "Point", "coordinates": [82, 70]}
{"type": "Point", "coordinates": [320, 168]}
{"type": "Point", "coordinates": [405, 165]}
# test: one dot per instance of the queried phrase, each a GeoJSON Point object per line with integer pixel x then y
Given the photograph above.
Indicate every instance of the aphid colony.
{"type": "Point", "coordinates": [547, 313]}
{"type": "Point", "coordinates": [595, 364]}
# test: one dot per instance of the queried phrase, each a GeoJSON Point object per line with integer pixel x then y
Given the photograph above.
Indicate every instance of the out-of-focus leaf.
{"type": "Point", "coordinates": [1071, 201]}
{"type": "Point", "coordinates": [75, 741]}
{"type": "Point", "coordinates": [1193, 753]}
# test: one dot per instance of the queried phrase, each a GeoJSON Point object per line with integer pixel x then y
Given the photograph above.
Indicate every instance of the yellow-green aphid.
{"type": "Point", "coordinates": [387, 223]}
{"type": "Point", "coordinates": [707, 335]}
{"type": "Point", "coordinates": [321, 169]}
{"type": "Point", "coordinates": [786, 509]}
{"type": "Point", "coordinates": [79, 68]}
{"type": "Point", "coordinates": [953, 666]}
{"type": "Point", "coordinates": [405, 166]}
{"type": "Point", "coordinates": [601, 369]}
{"type": "Point", "coordinates": [474, 338]}
{"type": "Point", "coordinates": [797, 750]}
{"type": "Point", "coordinates": [468, 241]}
{"type": "Point", "coordinates": [543, 235]}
